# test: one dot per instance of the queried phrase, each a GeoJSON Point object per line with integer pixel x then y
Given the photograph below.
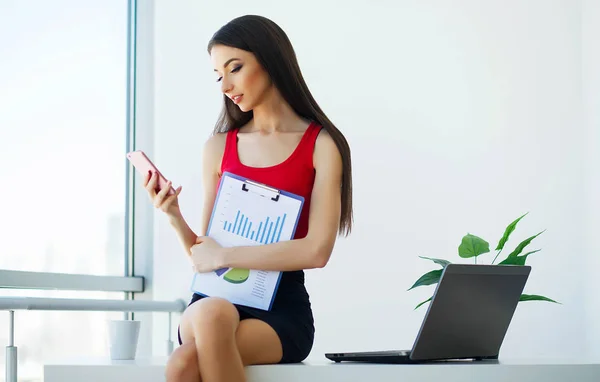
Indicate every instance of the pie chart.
{"type": "Point", "coordinates": [236, 275]}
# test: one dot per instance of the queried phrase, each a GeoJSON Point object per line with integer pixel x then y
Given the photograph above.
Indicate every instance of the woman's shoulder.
{"type": "Point", "coordinates": [216, 141]}
{"type": "Point", "coordinates": [326, 151]}
{"type": "Point", "coordinates": [324, 141]}
{"type": "Point", "coordinates": [214, 148]}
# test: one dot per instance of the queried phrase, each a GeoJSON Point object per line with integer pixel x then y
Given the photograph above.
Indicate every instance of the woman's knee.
{"type": "Point", "coordinates": [182, 365]}
{"type": "Point", "coordinates": [211, 315]}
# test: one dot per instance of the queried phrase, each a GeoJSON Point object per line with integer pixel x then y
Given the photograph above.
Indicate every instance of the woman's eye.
{"type": "Point", "coordinates": [236, 69]}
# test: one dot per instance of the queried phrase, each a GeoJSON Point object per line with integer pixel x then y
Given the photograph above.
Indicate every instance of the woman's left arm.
{"type": "Point", "coordinates": [314, 250]}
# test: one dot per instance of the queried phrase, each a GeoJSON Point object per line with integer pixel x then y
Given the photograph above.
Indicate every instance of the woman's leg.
{"type": "Point", "coordinates": [258, 343]}
{"type": "Point", "coordinates": [223, 344]}
{"type": "Point", "coordinates": [183, 364]}
{"type": "Point", "coordinates": [212, 323]}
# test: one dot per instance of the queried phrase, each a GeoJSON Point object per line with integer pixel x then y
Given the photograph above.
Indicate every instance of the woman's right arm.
{"type": "Point", "coordinates": [211, 166]}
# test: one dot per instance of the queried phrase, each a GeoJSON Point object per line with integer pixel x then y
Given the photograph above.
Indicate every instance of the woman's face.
{"type": "Point", "coordinates": [242, 77]}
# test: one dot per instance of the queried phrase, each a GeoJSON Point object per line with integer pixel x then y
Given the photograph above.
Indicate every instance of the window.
{"type": "Point", "coordinates": [63, 137]}
{"type": "Point", "coordinates": [63, 94]}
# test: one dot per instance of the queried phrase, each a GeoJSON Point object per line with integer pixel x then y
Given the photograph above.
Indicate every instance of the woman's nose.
{"type": "Point", "coordinates": [226, 86]}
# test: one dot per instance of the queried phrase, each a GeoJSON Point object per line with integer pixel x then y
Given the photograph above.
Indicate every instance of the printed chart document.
{"type": "Point", "coordinates": [248, 213]}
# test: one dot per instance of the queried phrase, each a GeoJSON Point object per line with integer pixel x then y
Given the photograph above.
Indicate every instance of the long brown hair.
{"type": "Point", "coordinates": [274, 51]}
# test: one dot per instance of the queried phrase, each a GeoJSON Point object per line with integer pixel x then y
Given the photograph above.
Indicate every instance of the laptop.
{"type": "Point", "coordinates": [467, 318]}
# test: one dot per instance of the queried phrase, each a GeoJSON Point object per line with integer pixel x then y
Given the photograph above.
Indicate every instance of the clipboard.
{"type": "Point", "coordinates": [247, 212]}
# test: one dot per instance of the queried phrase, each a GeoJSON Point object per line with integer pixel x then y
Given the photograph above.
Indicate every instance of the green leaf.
{"type": "Point", "coordinates": [511, 227]}
{"type": "Point", "coordinates": [424, 302]}
{"type": "Point", "coordinates": [428, 278]}
{"type": "Point", "coordinates": [441, 262]}
{"type": "Point", "coordinates": [517, 260]}
{"type": "Point", "coordinates": [472, 246]}
{"type": "Point", "coordinates": [523, 244]}
{"type": "Point", "coordinates": [535, 297]}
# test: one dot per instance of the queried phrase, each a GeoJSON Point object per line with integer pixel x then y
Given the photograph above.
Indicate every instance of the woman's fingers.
{"type": "Point", "coordinates": [159, 199]}
{"type": "Point", "coordinates": [151, 186]}
{"type": "Point", "coordinates": [170, 199]}
{"type": "Point", "coordinates": [162, 193]}
{"type": "Point", "coordinates": [147, 179]}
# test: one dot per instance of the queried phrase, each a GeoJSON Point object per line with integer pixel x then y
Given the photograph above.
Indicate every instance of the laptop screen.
{"type": "Point", "coordinates": [470, 312]}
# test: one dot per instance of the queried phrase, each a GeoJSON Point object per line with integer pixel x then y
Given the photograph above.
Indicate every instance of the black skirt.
{"type": "Point", "coordinates": [290, 316]}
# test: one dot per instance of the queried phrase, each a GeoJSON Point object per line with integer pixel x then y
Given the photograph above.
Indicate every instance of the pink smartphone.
{"type": "Point", "coordinates": [143, 165]}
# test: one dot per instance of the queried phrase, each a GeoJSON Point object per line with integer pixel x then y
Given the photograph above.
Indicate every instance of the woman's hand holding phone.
{"type": "Point", "coordinates": [169, 204]}
{"type": "Point", "coordinates": [162, 195]}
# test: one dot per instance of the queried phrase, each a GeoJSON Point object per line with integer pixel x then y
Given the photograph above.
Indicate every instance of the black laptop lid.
{"type": "Point", "coordinates": [470, 312]}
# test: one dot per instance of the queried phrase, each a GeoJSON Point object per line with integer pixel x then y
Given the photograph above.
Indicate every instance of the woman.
{"type": "Point", "coordinates": [271, 130]}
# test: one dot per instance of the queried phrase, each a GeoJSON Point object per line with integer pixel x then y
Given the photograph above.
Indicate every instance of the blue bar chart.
{"type": "Point", "coordinates": [264, 232]}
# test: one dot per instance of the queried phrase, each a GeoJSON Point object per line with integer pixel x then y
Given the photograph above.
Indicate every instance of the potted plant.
{"type": "Point", "coordinates": [472, 246]}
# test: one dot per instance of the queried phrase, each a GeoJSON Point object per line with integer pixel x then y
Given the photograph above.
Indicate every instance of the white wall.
{"type": "Point", "coordinates": [461, 116]}
{"type": "Point", "coordinates": [591, 91]}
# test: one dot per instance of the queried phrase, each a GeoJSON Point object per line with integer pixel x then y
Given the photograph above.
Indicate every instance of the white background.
{"type": "Point", "coordinates": [461, 116]}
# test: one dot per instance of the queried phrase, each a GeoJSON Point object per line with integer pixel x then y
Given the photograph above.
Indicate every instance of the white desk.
{"type": "Point", "coordinates": [152, 370]}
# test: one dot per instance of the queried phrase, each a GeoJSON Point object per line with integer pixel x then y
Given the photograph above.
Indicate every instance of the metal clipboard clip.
{"type": "Point", "coordinates": [261, 189]}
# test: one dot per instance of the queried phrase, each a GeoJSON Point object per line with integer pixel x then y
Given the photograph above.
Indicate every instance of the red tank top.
{"type": "Point", "coordinates": [296, 174]}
